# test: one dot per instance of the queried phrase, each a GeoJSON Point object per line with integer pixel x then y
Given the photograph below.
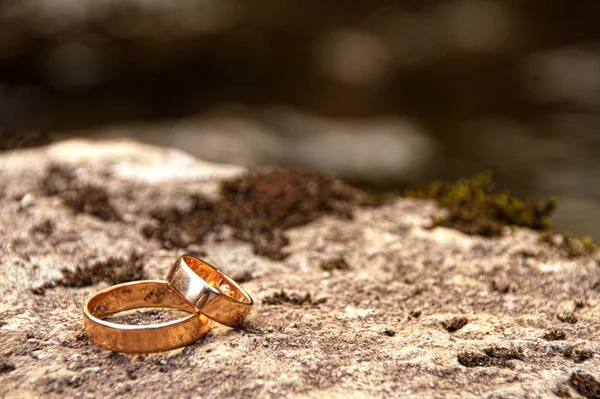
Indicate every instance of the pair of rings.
{"type": "Point", "coordinates": [192, 285]}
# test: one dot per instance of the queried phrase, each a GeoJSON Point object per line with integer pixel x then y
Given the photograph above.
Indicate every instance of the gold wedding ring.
{"type": "Point", "coordinates": [209, 290]}
{"type": "Point", "coordinates": [192, 285]}
{"type": "Point", "coordinates": [141, 338]}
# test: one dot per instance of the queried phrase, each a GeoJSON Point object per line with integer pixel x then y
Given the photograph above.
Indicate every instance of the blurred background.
{"type": "Point", "coordinates": [380, 93]}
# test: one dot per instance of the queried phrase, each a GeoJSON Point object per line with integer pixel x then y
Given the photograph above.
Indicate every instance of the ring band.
{"type": "Point", "coordinates": [209, 290]}
{"type": "Point", "coordinates": [141, 338]}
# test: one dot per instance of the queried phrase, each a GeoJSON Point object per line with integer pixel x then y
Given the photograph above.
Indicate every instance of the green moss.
{"type": "Point", "coordinates": [474, 206]}
{"type": "Point", "coordinates": [571, 245]}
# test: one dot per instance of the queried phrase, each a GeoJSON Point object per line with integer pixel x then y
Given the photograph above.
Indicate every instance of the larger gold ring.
{"type": "Point", "coordinates": [141, 338]}
{"type": "Point", "coordinates": [209, 290]}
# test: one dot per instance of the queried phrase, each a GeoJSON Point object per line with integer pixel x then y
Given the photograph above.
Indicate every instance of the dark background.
{"type": "Point", "coordinates": [380, 93]}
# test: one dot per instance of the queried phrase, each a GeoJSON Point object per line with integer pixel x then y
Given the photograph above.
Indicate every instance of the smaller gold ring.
{"type": "Point", "coordinates": [141, 338]}
{"type": "Point", "coordinates": [209, 290]}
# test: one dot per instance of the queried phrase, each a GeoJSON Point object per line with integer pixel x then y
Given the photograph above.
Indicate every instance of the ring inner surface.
{"type": "Point", "coordinates": [135, 296]}
{"type": "Point", "coordinates": [217, 279]}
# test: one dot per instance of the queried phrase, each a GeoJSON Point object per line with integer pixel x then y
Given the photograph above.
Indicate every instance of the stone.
{"type": "Point", "coordinates": [405, 277]}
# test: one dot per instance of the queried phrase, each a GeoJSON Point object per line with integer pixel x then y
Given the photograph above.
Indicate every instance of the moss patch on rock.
{"type": "Point", "coordinates": [502, 353]}
{"type": "Point", "coordinates": [114, 270]}
{"type": "Point", "coordinates": [474, 206]}
{"type": "Point", "coordinates": [6, 367]}
{"type": "Point", "coordinates": [477, 359]}
{"type": "Point", "coordinates": [554, 335]}
{"type": "Point", "coordinates": [571, 245]}
{"type": "Point", "coordinates": [259, 207]}
{"type": "Point", "coordinates": [455, 323]}
{"type": "Point", "coordinates": [585, 384]}
{"type": "Point", "coordinates": [492, 356]}
{"type": "Point", "coordinates": [81, 198]}
{"type": "Point", "coordinates": [579, 355]}
{"type": "Point", "coordinates": [281, 297]}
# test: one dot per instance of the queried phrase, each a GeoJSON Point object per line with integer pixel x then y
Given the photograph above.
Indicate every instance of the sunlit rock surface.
{"type": "Point", "coordinates": [376, 306]}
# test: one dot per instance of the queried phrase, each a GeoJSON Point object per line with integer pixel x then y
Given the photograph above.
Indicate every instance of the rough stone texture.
{"type": "Point", "coordinates": [413, 312]}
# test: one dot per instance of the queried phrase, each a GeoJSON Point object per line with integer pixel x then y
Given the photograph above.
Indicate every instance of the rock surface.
{"type": "Point", "coordinates": [379, 305]}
